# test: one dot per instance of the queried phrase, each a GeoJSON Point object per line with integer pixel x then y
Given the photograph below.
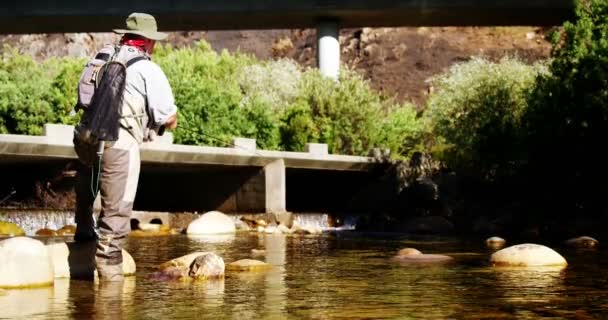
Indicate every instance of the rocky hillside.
{"type": "Point", "coordinates": [398, 61]}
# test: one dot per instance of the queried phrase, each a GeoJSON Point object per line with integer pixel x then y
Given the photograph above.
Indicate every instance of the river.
{"type": "Point", "coordinates": [336, 275]}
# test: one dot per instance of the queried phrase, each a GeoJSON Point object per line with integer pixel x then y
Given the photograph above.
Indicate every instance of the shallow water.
{"type": "Point", "coordinates": [340, 275]}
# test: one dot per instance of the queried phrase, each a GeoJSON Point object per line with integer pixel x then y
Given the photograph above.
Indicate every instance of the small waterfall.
{"type": "Point", "coordinates": [321, 221]}
{"type": "Point", "coordinates": [31, 220]}
{"type": "Point", "coordinates": [324, 221]}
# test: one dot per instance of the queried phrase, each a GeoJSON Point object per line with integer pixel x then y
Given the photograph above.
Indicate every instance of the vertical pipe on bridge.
{"type": "Point", "coordinates": [328, 48]}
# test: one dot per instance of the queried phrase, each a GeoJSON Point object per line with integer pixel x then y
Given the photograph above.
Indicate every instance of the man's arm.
{"type": "Point", "coordinates": [161, 104]}
{"type": "Point", "coordinates": [171, 122]}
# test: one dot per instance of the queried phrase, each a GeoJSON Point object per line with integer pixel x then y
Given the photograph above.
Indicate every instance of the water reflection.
{"type": "Point", "coordinates": [531, 283]}
{"type": "Point", "coordinates": [275, 289]}
{"type": "Point", "coordinates": [213, 238]}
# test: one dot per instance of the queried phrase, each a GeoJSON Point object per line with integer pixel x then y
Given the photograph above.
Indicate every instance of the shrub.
{"type": "Point", "coordinates": [274, 83]}
{"type": "Point", "coordinates": [568, 115]}
{"type": "Point", "coordinates": [476, 112]}
{"type": "Point", "coordinates": [210, 100]}
{"type": "Point", "coordinates": [32, 94]}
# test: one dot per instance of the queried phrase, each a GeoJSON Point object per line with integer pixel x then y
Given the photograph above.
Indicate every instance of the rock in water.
{"type": "Point", "coordinates": [198, 265]}
{"type": "Point", "coordinates": [207, 266]}
{"type": "Point", "coordinates": [248, 265]}
{"type": "Point", "coordinates": [10, 229]}
{"type": "Point", "coordinates": [24, 262]}
{"type": "Point", "coordinates": [527, 255]}
{"type": "Point", "coordinates": [67, 230]}
{"type": "Point", "coordinates": [46, 233]}
{"type": "Point", "coordinates": [213, 222]}
{"type": "Point", "coordinates": [408, 252]}
{"type": "Point", "coordinates": [77, 260]}
{"type": "Point", "coordinates": [495, 242]}
{"type": "Point", "coordinates": [582, 242]}
{"type": "Point", "coordinates": [411, 255]}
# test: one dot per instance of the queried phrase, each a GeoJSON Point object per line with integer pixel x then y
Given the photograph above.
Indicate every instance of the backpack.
{"type": "Point", "coordinates": [100, 94]}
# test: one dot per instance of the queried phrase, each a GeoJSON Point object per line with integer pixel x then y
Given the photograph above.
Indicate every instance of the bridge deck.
{"type": "Point", "coordinates": [40, 16]}
{"type": "Point", "coordinates": [58, 146]}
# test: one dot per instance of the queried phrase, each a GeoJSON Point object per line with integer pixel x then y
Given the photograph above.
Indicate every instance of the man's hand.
{"type": "Point", "coordinates": [171, 122]}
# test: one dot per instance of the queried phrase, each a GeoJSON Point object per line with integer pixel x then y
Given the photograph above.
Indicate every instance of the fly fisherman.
{"type": "Point", "coordinates": [146, 106]}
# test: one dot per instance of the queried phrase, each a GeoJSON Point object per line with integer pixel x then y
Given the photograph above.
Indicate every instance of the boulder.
{"type": "Point", "coordinates": [527, 255]}
{"type": "Point", "coordinates": [197, 265]}
{"type": "Point", "coordinates": [24, 263]}
{"type": "Point", "coordinates": [411, 255]}
{"type": "Point", "coordinates": [495, 243]}
{"type": "Point", "coordinates": [582, 242]}
{"type": "Point", "coordinates": [213, 222]}
{"type": "Point", "coordinates": [248, 265]}
{"type": "Point", "coordinates": [77, 260]}
{"type": "Point", "coordinates": [10, 229]}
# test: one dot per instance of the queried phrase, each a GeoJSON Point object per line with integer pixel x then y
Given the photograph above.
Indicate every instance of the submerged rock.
{"type": "Point", "coordinates": [213, 222]}
{"type": "Point", "coordinates": [153, 230]}
{"type": "Point", "coordinates": [197, 265]}
{"type": "Point", "coordinates": [77, 260]}
{"type": "Point", "coordinates": [67, 230]}
{"type": "Point", "coordinates": [248, 265]}
{"type": "Point", "coordinates": [411, 255]}
{"type": "Point", "coordinates": [46, 233]}
{"type": "Point", "coordinates": [582, 242]}
{"type": "Point", "coordinates": [527, 255]}
{"type": "Point", "coordinates": [10, 229]}
{"type": "Point", "coordinates": [24, 262]}
{"type": "Point", "coordinates": [495, 242]}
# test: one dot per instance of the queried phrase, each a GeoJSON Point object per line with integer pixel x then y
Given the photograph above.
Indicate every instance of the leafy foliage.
{"type": "Point", "coordinates": [568, 115]}
{"type": "Point", "coordinates": [32, 94]}
{"type": "Point", "coordinates": [223, 95]}
{"type": "Point", "coordinates": [476, 113]}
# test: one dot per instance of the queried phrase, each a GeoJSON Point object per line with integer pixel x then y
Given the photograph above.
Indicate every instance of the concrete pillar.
{"type": "Point", "coordinates": [328, 48]}
{"type": "Point", "coordinates": [275, 187]}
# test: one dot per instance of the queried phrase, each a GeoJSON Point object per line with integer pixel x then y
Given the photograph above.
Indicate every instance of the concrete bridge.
{"type": "Point", "coordinates": [236, 179]}
{"type": "Point", "coordinates": [41, 16]}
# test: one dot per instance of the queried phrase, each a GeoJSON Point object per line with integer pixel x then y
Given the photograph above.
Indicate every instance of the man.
{"type": "Point", "coordinates": [147, 105]}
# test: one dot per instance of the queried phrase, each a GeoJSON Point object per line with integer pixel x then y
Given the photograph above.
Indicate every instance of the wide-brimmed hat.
{"type": "Point", "coordinates": [142, 24]}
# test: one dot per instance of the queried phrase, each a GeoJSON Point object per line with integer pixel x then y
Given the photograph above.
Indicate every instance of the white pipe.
{"type": "Point", "coordinates": [328, 52]}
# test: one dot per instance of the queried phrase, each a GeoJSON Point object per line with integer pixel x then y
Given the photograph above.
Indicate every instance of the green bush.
{"type": "Point", "coordinates": [211, 106]}
{"type": "Point", "coordinates": [274, 83]}
{"type": "Point", "coordinates": [348, 115]}
{"type": "Point", "coordinates": [221, 96]}
{"type": "Point", "coordinates": [32, 94]}
{"type": "Point", "coordinates": [476, 111]}
{"type": "Point", "coordinates": [567, 119]}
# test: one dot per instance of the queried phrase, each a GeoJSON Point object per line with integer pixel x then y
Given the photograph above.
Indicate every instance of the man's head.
{"type": "Point", "coordinates": [143, 25]}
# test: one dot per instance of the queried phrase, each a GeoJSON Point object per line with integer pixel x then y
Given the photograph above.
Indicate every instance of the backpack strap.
{"type": "Point", "coordinates": [136, 59]}
{"type": "Point", "coordinates": [103, 56]}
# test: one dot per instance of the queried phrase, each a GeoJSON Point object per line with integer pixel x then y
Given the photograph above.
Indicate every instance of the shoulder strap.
{"type": "Point", "coordinates": [103, 56]}
{"type": "Point", "coordinates": [134, 60]}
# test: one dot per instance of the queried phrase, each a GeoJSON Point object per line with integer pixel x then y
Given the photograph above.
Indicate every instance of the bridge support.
{"type": "Point", "coordinates": [275, 189]}
{"type": "Point", "coordinates": [328, 48]}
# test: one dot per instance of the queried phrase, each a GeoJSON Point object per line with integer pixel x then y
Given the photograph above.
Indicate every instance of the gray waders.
{"type": "Point", "coordinates": [118, 177]}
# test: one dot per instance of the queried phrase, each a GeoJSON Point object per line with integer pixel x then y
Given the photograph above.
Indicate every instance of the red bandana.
{"type": "Point", "coordinates": [138, 43]}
